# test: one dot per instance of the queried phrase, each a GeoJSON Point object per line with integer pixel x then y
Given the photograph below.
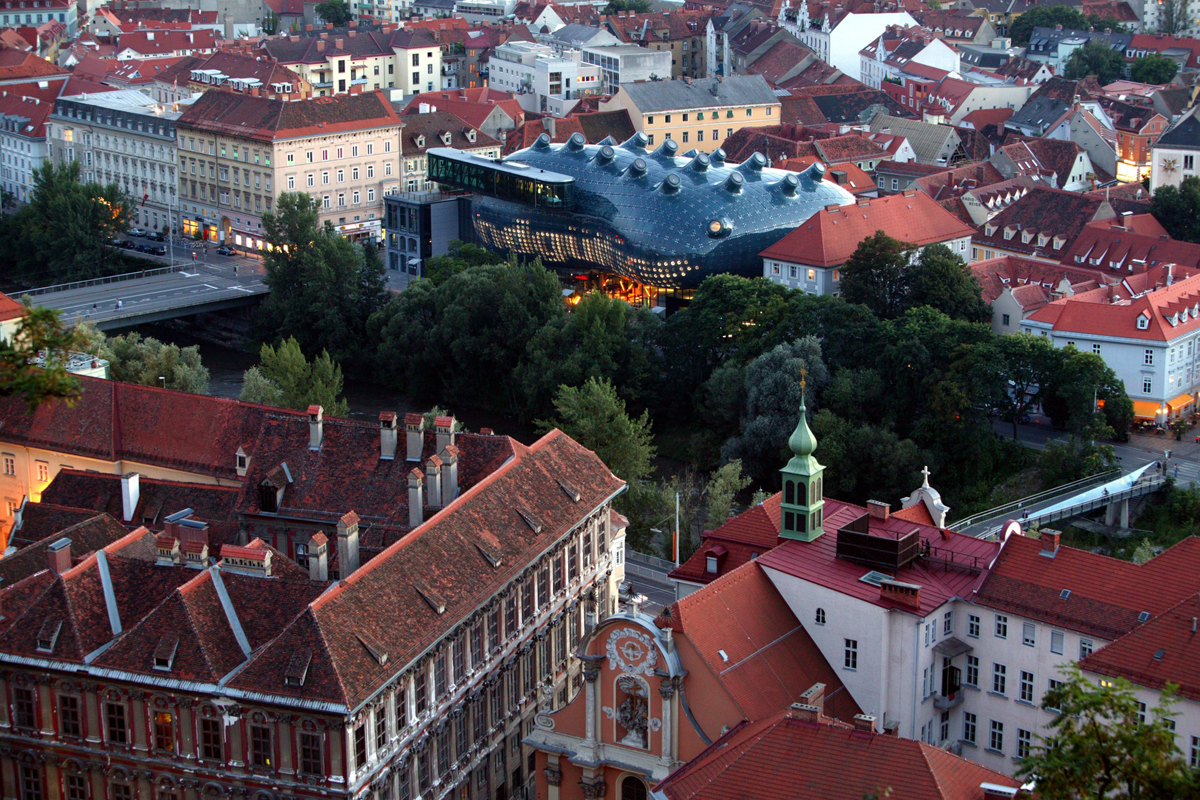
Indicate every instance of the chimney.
{"type": "Point", "coordinates": [414, 425]}
{"type": "Point", "coordinates": [387, 435]}
{"type": "Point", "coordinates": [805, 713]}
{"type": "Point", "coordinates": [347, 535]}
{"type": "Point", "coordinates": [445, 431]}
{"type": "Point", "coordinates": [1050, 540]}
{"type": "Point", "coordinates": [449, 474]}
{"type": "Point", "coordinates": [191, 530]}
{"type": "Point", "coordinates": [307, 29]}
{"type": "Point", "coordinates": [815, 696]}
{"type": "Point", "coordinates": [58, 556]}
{"type": "Point", "coordinates": [903, 594]}
{"type": "Point", "coordinates": [878, 510]}
{"type": "Point", "coordinates": [320, 45]}
{"type": "Point", "coordinates": [316, 426]}
{"type": "Point", "coordinates": [416, 510]}
{"type": "Point", "coordinates": [864, 723]}
{"type": "Point", "coordinates": [318, 557]}
{"type": "Point", "coordinates": [433, 480]}
{"type": "Point", "coordinates": [339, 43]}
{"type": "Point", "coordinates": [328, 26]}
{"type": "Point", "coordinates": [130, 494]}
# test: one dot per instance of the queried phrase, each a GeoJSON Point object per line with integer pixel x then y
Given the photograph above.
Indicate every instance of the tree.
{"type": "Point", "coordinates": [876, 275]}
{"type": "Point", "coordinates": [722, 486]}
{"type": "Point", "coordinates": [40, 333]}
{"type": "Point", "coordinates": [1103, 745]}
{"type": "Point", "coordinates": [1048, 17]}
{"type": "Point", "coordinates": [942, 280]}
{"type": "Point", "coordinates": [1095, 58]}
{"type": "Point", "coordinates": [336, 12]}
{"type": "Point", "coordinates": [297, 381]}
{"type": "Point", "coordinates": [1173, 18]}
{"type": "Point", "coordinates": [636, 6]}
{"type": "Point", "coordinates": [1154, 68]}
{"type": "Point", "coordinates": [62, 233]}
{"type": "Point", "coordinates": [1073, 459]}
{"type": "Point", "coordinates": [1022, 370]}
{"type": "Point", "coordinates": [772, 407]}
{"type": "Point", "coordinates": [323, 287]}
{"type": "Point", "coordinates": [460, 257]}
{"type": "Point", "coordinates": [594, 416]}
{"type": "Point", "coordinates": [1177, 208]}
{"type": "Point", "coordinates": [149, 362]}
{"type": "Point", "coordinates": [270, 23]}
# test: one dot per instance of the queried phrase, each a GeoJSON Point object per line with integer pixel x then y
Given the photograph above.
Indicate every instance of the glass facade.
{"type": "Point", "coordinates": [658, 218]}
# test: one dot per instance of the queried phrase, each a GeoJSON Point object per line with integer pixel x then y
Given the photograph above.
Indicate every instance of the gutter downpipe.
{"type": "Point", "coordinates": [912, 726]}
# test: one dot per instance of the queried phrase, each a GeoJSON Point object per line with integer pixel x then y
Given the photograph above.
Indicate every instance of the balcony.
{"type": "Point", "coordinates": [947, 702]}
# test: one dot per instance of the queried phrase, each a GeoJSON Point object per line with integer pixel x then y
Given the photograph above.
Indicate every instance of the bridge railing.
{"type": "Point", "coordinates": [1142, 487]}
{"type": "Point", "coordinates": [125, 276]}
{"type": "Point", "coordinates": [1024, 502]}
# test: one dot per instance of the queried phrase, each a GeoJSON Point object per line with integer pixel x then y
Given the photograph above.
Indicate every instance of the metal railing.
{"type": "Point", "coordinates": [1024, 502]}
{"type": "Point", "coordinates": [125, 276]}
{"type": "Point", "coordinates": [654, 562]}
{"type": "Point", "coordinates": [1143, 487]}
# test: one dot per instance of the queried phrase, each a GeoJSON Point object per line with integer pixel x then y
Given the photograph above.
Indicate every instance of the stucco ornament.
{"type": "Point", "coordinates": [631, 651]}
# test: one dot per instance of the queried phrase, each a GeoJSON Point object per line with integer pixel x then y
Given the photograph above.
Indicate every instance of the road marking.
{"type": "Point", "coordinates": [242, 289]}
{"type": "Point", "coordinates": [209, 286]}
{"type": "Point", "coordinates": [189, 274]}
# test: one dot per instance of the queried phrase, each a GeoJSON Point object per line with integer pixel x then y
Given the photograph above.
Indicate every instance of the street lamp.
{"type": "Point", "coordinates": [163, 378]}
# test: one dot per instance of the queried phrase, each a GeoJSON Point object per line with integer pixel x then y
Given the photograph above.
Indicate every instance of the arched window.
{"type": "Point", "coordinates": [633, 789]}
{"type": "Point", "coordinates": [789, 495]}
{"type": "Point", "coordinates": [820, 616]}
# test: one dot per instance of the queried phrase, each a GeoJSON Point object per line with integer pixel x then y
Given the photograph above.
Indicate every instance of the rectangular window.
{"type": "Point", "coordinates": [999, 678]}
{"type": "Point", "coordinates": [1096, 349]}
{"type": "Point", "coordinates": [1056, 642]}
{"type": "Point", "coordinates": [458, 659]}
{"type": "Point", "coordinates": [968, 727]}
{"type": "Point", "coordinates": [477, 652]}
{"type": "Point", "coordinates": [421, 688]}
{"type": "Point", "coordinates": [116, 728]}
{"type": "Point", "coordinates": [850, 655]}
{"type": "Point", "coordinates": [947, 623]}
{"type": "Point", "coordinates": [1085, 648]}
{"type": "Point", "coordinates": [164, 731]}
{"type": "Point", "coordinates": [43, 471]}
{"type": "Point", "coordinates": [1189, 162]}
{"type": "Point", "coordinates": [68, 716]}
{"type": "Point", "coordinates": [996, 736]}
{"type": "Point", "coordinates": [380, 731]}
{"type": "Point", "coordinates": [1148, 358]}
{"type": "Point", "coordinates": [1051, 686]}
{"type": "Point", "coordinates": [973, 626]}
{"type": "Point", "coordinates": [1026, 686]}
{"type": "Point", "coordinates": [360, 745]}
{"type": "Point", "coordinates": [972, 676]}
{"type": "Point", "coordinates": [211, 748]}
{"type": "Point", "coordinates": [310, 754]}
{"type": "Point", "coordinates": [1001, 626]}
{"type": "Point", "coordinates": [10, 465]}
{"type": "Point", "coordinates": [544, 587]}
{"type": "Point", "coordinates": [31, 782]}
{"type": "Point", "coordinates": [1194, 753]}
{"type": "Point", "coordinates": [494, 630]}
{"type": "Point", "coordinates": [510, 615]}
{"type": "Point", "coordinates": [1024, 743]}
{"type": "Point", "coordinates": [260, 746]}
{"type": "Point", "coordinates": [24, 715]}
{"type": "Point", "coordinates": [76, 787]}
{"type": "Point", "coordinates": [1147, 385]}
{"type": "Point", "coordinates": [1028, 634]}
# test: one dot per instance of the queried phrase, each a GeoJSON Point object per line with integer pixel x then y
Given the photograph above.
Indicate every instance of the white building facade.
{"type": "Point", "coordinates": [839, 43]}
{"type": "Point", "coordinates": [542, 81]}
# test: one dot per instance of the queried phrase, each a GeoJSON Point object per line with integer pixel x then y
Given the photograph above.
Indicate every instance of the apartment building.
{"type": "Point", "coordinates": [126, 138]}
{"type": "Point", "coordinates": [23, 145]}
{"type": "Point", "coordinates": [237, 152]}
{"type": "Point", "coordinates": [699, 114]}
{"type": "Point", "coordinates": [542, 80]}
{"type": "Point", "coordinates": [336, 62]}
{"type": "Point", "coordinates": [17, 14]}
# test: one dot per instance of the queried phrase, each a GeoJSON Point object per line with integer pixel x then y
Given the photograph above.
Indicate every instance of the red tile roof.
{"type": "Point", "coordinates": [857, 181]}
{"type": "Point", "coordinates": [154, 43]}
{"type": "Point", "coordinates": [1012, 272]}
{"type": "Point", "coordinates": [955, 182]}
{"type": "Point", "coordinates": [423, 131]}
{"type": "Point", "coordinates": [790, 755]}
{"type": "Point", "coordinates": [1106, 594]}
{"type": "Point", "coordinates": [16, 65]}
{"type": "Point", "coordinates": [983, 117]}
{"type": "Point", "coordinates": [87, 535]}
{"type": "Point", "coordinates": [744, 537]}
{"type": "Point", "coordinates": [829, 237]}
{"type": "Point", "coordinates": [769, 660]}
{"type": "Point", "coordinates": [9, 308]}
{"type": "Point", "coordinates": [264, 119]}
{"type": "Point", "coordinates": [1052, 212]}
{"type": "Point", "coordinates": [1164, 650]}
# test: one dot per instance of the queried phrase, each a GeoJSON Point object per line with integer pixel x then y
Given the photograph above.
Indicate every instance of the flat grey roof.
{"type": "Point", "coordinates": [508, 167]}
{"type": "Point", "coordinates": [735, 90]}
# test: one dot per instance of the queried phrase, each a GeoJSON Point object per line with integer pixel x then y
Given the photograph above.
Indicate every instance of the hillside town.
{"type": "Point", "coordinates": [599, 399]}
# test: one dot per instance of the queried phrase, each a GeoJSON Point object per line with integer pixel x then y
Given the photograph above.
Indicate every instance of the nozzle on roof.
{"type": "Point", "coordinates": [672, 184]}
{"type": "Point", "coordinates": [576, 142]}
{"type": "Point", "coordinates": [636, 142]}
{"type": "Point", "coordinates": [668, 149]}
{"type": "Point", "coordinates": [718, 156]}
{"type": "Point", "coordinates": [815, 172]}
{"type": "Point", "coordinates": [755, 163]}
{"type": "Point", "coordinates": [606, 154]}
{"type": "Point", "coordinates": [542, 142]}
{"type": "Point", "coordinates": [638, 167]}
{"type": "Point", "coordinates": [734, 182]}
{"type": "Point", "coordinates": [700, 162]}
{"type": "Point", "coordinates": [607, 140]}
{"type": "Point", "coordinates": [789, 184]}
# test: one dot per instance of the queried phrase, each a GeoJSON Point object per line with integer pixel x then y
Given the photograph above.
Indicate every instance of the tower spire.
{"type": "Point", "coordinates": [803, 504]}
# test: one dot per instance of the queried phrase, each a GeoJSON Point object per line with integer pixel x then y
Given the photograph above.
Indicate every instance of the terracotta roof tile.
{"type": "Point", "coordinates": [1164, 650]}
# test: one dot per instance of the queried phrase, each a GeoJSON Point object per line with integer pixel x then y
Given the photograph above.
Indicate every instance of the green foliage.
{"type": "Point", "coordinates": [723, 486]}
{"type": "Point", "coordinates": [877, 275]}
{"type": "Point", "coordinates": [1075, 458]}
{"type": "Point", "coordinates": [1177, 208]}
{"type": "Point", "coordinates": [942, 280]}
{"type": "Point", "coordinates": [1173, 18]}
{"type": "Point", "coordinates": [1095, 58]}
{"type": "Point", "coordinates": [62, 233]}
{"type": "Point", "coordinates": [335, 11]}
{"type": "Point", "coordinates": [270, 23]}
{"type": "Point", "coordinates": [1049, 16]}
{"type": "Point", "coordinates": [594, 416]}
{"type": "Point", "coordinates": [1143, 553]}
{"type": "Point", "coordinates": [461, 257]}
{"type": "Point", "coordinates": [637, 6]}
{"type": "Point", "coordinates": [149, 362]}
{"type": "Point", "coordinates": [865, 462]}
{"type": "Point", "coordinates": [772, 406]}
{"type": "Point", "coordinates": [287, 379]}
{"type": "Point", "coordinates": [889, 277]}
{"type": "Point", "coordinates": [40, 331]}
{"type": "Point", "coordinates": [462, 340]}
{"type": "Point", "coordinates": [1154, 68]}
{"type": "Point", "coordinates": [323, 287]}
{"type": "Point", "coordinates": [1102, 746]}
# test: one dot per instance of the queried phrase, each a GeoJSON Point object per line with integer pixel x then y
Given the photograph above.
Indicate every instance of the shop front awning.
{"type": "Point", "coordinates": [1181, 402]}
{"type": "Point", "coordinates": [1145, 409]}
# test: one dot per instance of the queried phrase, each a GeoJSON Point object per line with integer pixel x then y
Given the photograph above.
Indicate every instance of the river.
{"type": "Point", "coordinates": [226, 365]}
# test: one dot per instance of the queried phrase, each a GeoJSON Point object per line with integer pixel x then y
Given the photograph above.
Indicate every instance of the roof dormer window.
{"type": "Point", "coordinates": [420, 140]}
{"type": "Point", "coordinates": [1042, 239]}
{"type": "Point", "coordinates": [1026, 237]}
{"type": "Point", "coordinates": [1143, 322]}
{"type": "Point", "coordinates": [1059, 241]}
{"type": "Point", "coordinates": [989, 230]}
{"type": "Point", "coordinates": [164, 654]}
{"type": "Point", "coordinates": [48, 635]}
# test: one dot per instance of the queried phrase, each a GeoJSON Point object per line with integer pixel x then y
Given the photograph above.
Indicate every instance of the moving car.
{"type": "Point", "coordinates": [138, 232]}
{"type": "Point", "coordinates": [225, 250]}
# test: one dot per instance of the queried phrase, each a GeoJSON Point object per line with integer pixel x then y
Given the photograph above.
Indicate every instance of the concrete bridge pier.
{"type": "Point", "coordinates": [1111, 512]}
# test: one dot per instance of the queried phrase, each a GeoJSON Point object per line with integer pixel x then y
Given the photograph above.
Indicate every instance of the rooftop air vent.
{"type": "Point", "coordinates": [164, 654]}
{"type": "Point", "coordinates": [636, 142]}
{"type": "Point", "coordinates": [734, 182]}
{"type": "Point", "coordinates": [297, 668]}
{"type": "Point", "coordinates": [638, 167]}
{"type": "Point", "coordinates": [606, 155]}
{"type": "Point", "coordinates": [570, 490]}
{"type": "Point", "coordinates": [530, 520]}
{"type": "Point", "coordinates": [576, 142]}
{"type": "Point", "coordinates": [672, 184]}
{"type": "Point", "coordinates": [700, 162]}
{"type": "Point", "coordinates": [543, 141]}
{"type": "Point", "coordinates": [789, 184]}
{"type": "Point", "coordinates": [374, 648]}
{"type": "Point", "coordinates": [755, 163]}
{"type": "Point", "coordinates": [491, 554]}
{"type": "Point", "coordinates": [667, 149]}
{"type": "Point", "coordinates": [1142, 617]}
{"type": "Point", "coordinates": [48, 635]}
{"type": "Point", "coordinates": [1159, 653]}
{"type": "Point", "coordinates": [718, 156]}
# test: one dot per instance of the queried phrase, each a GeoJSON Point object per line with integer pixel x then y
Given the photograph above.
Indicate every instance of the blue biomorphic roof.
{"type": "Point", "coordinates": [657, 217]}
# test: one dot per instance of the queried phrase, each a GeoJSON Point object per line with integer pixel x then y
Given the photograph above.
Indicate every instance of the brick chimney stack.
{"type": "Point", "coordinates": [318, 557]}
{"type": "Point", "coordinates": [433, 481]}
{"type": "Point", "coordinates": [878, 510]}
{"type": "Point", "coordinates": [416, 503]}
{"type": "Point", "coordinates": [387, 435]}
{"type": "Point", "coordinates": [864, 723]}
{"type": "Point", "coordinates": [414, 425]}
{"type": "Point", "coordinates": [445, 431]}
{"type": "Point", "coordinates": [58, 556]}
{"type": "Point", "coordinates": [449, 474]}
{"type": "Point", "coordinates": [347, 535]}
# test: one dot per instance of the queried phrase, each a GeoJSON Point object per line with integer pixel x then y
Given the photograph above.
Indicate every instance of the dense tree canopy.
{"type": "Point", "coordinates": [133, 358]}
{"type": "Point", "coordinates": [1095, 58]}
{"type": "Point", "coordinates": [1154, 68]}
{"type": "Point", "coordinates": [39, 333]}
{"type": "Point", "coordinates": [594, 416]}
{"type": "Point", "coordinates": [1049, 16]}
{"type": "Point", "coordinates": [335, 11]}
{"type": "Point", "coordinates": [1177, 208]}
{"type": "Point", "coordinates": [287, 379]}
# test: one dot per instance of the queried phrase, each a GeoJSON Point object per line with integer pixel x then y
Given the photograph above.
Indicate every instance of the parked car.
{"type": "Point", "coordinates": [155, 237]}
{"type": "Point", "coordinates": [157, 250]}
{"type": "Point", "coordinates": [142, 248]}
{"type": "Point", "coordinates": [138, 232]}
{"type": "Point", "coordinates": [225, 250]}
{"type": "Point", "coordinates": [115, 242]}
{"type": "Point", "coordinates": [128, 245]}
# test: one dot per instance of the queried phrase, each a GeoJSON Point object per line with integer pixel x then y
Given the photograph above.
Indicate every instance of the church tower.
{"type": "Point", "coordinates": [803, 506]}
